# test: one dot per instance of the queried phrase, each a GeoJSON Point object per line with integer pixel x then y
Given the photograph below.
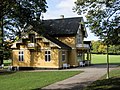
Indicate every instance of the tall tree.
{"type": "Point", "coordinates": [103, 18]}
{"type": "Point", "coordinates": [16, 15]}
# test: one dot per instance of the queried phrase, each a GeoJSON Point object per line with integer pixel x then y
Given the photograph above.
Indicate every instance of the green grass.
{"type": "Point", "coordinates": [107, 84]}
{"type": "Point", "coordinates": [32, 80]}
{"type": "Point", "coordinates": [101, 59]}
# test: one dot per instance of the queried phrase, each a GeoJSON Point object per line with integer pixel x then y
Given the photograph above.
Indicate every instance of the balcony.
{"type": "Point", "coordinates": [86, 46]}
{"type": "Point", "coordinates": [31, 45]}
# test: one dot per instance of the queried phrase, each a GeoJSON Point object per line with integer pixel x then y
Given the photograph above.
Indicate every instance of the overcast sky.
{"type": "Point", "coordinates": [63, 7]}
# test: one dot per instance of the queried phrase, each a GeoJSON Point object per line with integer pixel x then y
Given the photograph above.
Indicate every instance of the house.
{"type": "Point", "coordinates": [60, 45]}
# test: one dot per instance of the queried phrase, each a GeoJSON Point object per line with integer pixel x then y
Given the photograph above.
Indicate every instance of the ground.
{"type": "Point", "coordinates": [80, 81]}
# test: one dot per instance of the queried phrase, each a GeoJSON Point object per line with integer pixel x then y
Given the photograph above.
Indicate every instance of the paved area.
{"type": "Point", "coordinates": [78, 82]}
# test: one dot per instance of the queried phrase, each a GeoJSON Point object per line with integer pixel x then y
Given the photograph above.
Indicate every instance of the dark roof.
{"type": "Point", "coordinates": [59, 43]}
{"type": "Point", "coordinates": [62, 27]}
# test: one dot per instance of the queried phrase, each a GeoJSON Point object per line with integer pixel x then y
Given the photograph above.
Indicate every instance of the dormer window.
{"type": "Point", "coordinates": [32, 38]}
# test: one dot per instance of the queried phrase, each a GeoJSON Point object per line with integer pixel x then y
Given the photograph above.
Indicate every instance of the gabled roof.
{"type": "Point", "coordinates": [62, 27]}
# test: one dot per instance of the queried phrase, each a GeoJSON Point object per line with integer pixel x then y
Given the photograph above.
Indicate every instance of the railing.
{"type": "Point", "coordinates": [31, 45]}
{"type": "Point", "coordinates": [25, 37]}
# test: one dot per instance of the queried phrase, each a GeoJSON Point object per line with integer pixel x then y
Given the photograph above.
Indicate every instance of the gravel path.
{"type": "Point", "coordinates": [78, 82]}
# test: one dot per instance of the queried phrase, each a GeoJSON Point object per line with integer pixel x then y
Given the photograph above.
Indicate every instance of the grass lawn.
{"type": "Point", "coordinates": [101, 59]}
{"type": "Point", "coordinates": [32, 80]}
{"type": "Point", "coordinates": [107, 84]}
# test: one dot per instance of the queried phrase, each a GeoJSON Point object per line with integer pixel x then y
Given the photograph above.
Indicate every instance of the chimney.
{"type": "Point", "coordinates": [62, 16]}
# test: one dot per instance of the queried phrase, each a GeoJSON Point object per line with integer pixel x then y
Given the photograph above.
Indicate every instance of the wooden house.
{"type": "Point", "coordinates": [61, 45]}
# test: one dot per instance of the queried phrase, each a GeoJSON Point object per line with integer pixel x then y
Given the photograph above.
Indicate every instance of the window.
{"type": "Point", "coordinates": [32, 38]}
{"type": "Point", "coordinates": [63, 55]}
{"type": "Point", "coordinates": [21, 56]}
{"type": "Point", "coordinates": [47, 56]}
{"type": "Point", "coordinates": [79, 54]}
{"type": "Point", "coordinates": [79, 39]}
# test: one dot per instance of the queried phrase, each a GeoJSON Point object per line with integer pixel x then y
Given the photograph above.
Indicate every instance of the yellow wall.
{"type": "Point", "coordinates": [60, 58]}
{"type": "Point", "coordinates": [72, 54]}
{"type": "Point", "coordinates": [73, 58]}
{"type": "Point", "coordinates": [16, 62]}
{"type": "Point", "coordinates": [36, 58]}
{"type": "Point", "coordinates": [39, 59]}
{"type": "Point", "coordinates": [70, 41]}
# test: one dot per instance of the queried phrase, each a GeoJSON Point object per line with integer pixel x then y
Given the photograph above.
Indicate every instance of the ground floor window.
{"type": "Point", "coordinates": [21, 56]}
{"type": "Point", "coordinates": [47, 56]}
{"type": "Point", "coordinates": [63, 56]}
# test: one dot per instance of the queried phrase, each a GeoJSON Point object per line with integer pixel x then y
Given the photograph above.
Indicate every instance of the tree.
{"type": "Point", "coordinates": [103, 18]}
{"type": "Point", "coordinates": [18, 14]}
{"type": "Point", "coordinates": [95, 46]}
{"type": "Point", "coordinates": [100, 47]}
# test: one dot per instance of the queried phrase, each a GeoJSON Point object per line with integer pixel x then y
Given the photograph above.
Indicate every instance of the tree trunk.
{"type": "Point", "coordinates": [107, 63]}
{"type": "Point", "coordinates": [1, 43]}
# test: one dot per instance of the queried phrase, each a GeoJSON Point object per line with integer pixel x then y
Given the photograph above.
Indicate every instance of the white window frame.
{"type": "Point", "coordinates": [47, 56]}
{"type": "Point", "coordinates": [63, 55]}
{"type": "Point", "coordinates": [21, 56]}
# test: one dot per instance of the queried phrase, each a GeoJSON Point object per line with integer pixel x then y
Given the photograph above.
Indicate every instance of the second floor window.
{"type": "Point", "coordinates": [47, 56]}
{"type": "Point", "coordinates": [32, 38]}
{"type": "Point", "coordinates": [21, 56]}
{"type": "Point", "coordinates": [79, 39]}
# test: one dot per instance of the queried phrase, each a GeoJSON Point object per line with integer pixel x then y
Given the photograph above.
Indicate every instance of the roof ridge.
{"type": "Point", "coordinates": [63, 18]}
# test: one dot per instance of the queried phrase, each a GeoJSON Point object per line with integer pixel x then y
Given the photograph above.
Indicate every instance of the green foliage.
{"type": "Point", "coordinates": [16, 16]}
{"type": "Point", "coordinates": [100, 47]}
{"type": "Point", "coordinates": [32, 80]}
{"type": "Point", "coordinates": [103, 18]}
{"type": "Point", "coordinates": [7, 50]}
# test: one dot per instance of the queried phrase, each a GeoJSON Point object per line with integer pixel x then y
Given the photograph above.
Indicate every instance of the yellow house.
{"type": "Point", "coordinates": [59, 45]}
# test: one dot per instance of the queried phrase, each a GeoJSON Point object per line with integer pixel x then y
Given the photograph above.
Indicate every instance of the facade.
{"type": "Point", "coordinates": [60, 43]}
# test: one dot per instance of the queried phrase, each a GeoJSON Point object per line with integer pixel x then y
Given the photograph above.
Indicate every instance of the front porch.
{"type": "Point", "coordinates": [83, 57]}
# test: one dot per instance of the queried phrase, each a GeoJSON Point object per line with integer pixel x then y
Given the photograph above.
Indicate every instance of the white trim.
{"type": "Point", "coordinates": [21, 56]}
{"type": "Point", "coordinates": [47, 55]}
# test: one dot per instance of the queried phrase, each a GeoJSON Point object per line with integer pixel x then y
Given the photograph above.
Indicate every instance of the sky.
{"type": "Point", "coordinates": [56, 8]}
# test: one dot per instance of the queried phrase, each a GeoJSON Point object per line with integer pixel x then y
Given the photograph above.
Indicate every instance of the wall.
{"type": "Point", "coordinates": [16, 62]}
{"type": "Point", "coordinates": [70, 41]}
{"type": "Point", "coordinates": [73, 58]}
{"type": "Point", "coordinates": [33, 58]}
{"type": "Point", "coordinates": [60, 58]}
